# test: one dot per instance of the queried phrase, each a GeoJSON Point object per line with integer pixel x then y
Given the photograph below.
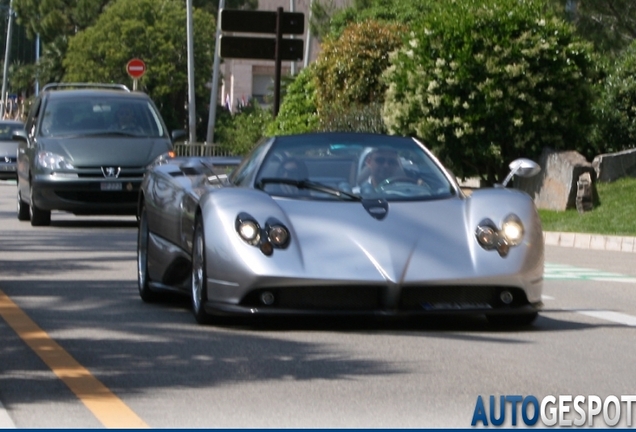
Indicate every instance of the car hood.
{"type": "Point", "coordinates": [98, 151]}
{"type": "Point", "coordinates": [8, 148]}
{"type": "Point", "coordinates": [416, 241]}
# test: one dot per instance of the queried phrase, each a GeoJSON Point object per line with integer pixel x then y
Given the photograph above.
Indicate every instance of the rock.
{"type": "Point", "coordinates": [557, 185]}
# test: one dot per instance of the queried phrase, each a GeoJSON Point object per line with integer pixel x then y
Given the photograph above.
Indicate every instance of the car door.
{"type": "Point", "coordinates": [27, 151]}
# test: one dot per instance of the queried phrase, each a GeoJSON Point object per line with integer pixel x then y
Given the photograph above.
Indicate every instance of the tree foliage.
{"type": "Point", "coordinates": [616, 108]}
{"type": "Point", "coordinates": [486, 81]}
{"type": "Point", "coordinates": [349, 67]}
{"type": "Point", "coordinates": [153, 31]}
{"type": "Point", "coordinates": [298, 113]}
{"type": "Point", "coordinates": [240, 132]}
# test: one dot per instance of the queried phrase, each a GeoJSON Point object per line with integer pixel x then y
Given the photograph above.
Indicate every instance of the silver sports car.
{"type": "Point", "coordinates": [338, 223]}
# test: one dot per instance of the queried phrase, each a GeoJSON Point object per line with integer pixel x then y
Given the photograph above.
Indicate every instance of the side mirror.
{"type": "Point", "coordinates": [521, 167]}
{"type": "Point", "coordinates": [19, 135]}
{"type": "Point", "coordinates": [178, 133]}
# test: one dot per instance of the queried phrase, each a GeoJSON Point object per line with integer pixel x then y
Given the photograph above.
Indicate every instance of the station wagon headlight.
{"type": "Point", "coordinates": [53, 161]}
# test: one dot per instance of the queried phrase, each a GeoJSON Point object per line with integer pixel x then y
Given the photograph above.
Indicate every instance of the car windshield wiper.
{"type": "Point", "coordinates": [307, 184]}
{"type": "Point", "coordinates": [111, 133]}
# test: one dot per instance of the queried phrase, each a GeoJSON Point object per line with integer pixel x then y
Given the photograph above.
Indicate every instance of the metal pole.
{"type": "Point", "coordinates": [6, 61]}
{"type": "Point", "coordinates": [292, 8]}
{"type": "Point", "coordinates": [37, 64]}
{"type": "Point", "coordinates": [215, 78]}
{"type": "Point", "coordinates": [192, 115]}
{"type": "Point", "coordinates": [308, 38]}
{"type": "Point", "coordinates": [277, 59]}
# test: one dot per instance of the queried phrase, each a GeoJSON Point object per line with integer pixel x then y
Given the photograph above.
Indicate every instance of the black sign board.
{"type": "Point", "coordinates": [260, 48]}
{"type": "Point", "coordinates": [235, 20]}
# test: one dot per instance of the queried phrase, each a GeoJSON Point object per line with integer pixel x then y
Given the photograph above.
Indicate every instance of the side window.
{"type": "Point", "coordinates": [245, 171]}
{"type": "Point", "coordinates": [32, 119]}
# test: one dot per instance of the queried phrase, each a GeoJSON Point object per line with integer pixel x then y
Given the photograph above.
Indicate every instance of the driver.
{"type": "Point", "coordinates": [382, 163]}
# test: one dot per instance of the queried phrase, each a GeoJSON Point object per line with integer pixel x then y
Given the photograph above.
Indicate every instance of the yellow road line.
{"type": "Point", "coordinates": [108, 408]}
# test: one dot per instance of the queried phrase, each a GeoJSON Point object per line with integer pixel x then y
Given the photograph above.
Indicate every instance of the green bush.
{"type": "Point", "coordinates": [348, 68]}
{"type": "Point", "coordinates": [297, 113]}
{"type": "Point", "coordinates": [486, 81]}
{"type": "Point", "coordinates": [240, 132]}
{"type": "Point", "coordinates": [352, 118]}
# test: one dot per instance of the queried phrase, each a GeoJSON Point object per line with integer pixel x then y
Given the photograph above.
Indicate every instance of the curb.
{"type": "Point", "coordinates": [591, 241]}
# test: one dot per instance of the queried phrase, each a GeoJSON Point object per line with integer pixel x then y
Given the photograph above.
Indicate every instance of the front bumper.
{"type": "Point", "coordinates": [86, 195]}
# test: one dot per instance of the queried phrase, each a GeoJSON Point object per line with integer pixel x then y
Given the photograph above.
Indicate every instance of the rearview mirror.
{"type": "Point", "coordinates": [521, 167]}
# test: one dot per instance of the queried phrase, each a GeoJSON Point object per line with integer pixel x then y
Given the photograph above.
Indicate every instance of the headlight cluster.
{"type": "Point", "coordinates": [53, 161]}
{"type": "Point", "coordinates": [274, 235]}
{"type": "Point", "coordinates": [510, 234]}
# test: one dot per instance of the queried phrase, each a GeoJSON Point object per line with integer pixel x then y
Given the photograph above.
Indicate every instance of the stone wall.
{"type": "Point", "coordinates": [612, 166]}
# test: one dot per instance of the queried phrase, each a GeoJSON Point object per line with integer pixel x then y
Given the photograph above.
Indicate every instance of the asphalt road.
{"type": "Point", "coordinates": [79, 349]}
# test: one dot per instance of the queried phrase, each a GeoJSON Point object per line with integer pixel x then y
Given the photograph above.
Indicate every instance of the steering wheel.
{"type": "Point", "coordinates": [403, 186]}
{"type": "Point", "coordinates": [401, 179]}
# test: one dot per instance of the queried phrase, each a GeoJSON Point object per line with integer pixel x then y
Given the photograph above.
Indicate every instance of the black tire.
{"type": "Point", "coordinates": [143, 282]}
{"type": "Point", "coordinates": [513, 320]}
{"type": "Point", "coordinates": [24, 211]}
{"type": "Point", "coordinates": [199, 277]}
{"type": "Point", "coordinates": [38, 216]}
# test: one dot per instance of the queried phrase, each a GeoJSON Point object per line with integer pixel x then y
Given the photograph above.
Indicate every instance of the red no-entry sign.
{"type": "Point", "coordinates": [136, 68]}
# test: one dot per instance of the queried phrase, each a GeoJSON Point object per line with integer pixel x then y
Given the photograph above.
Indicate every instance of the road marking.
{"type": "Point", "coordinates": [616, 317]}
{"type": "Point", "coordinates": [108, 408]}
{"type": "Point", "coordinates": [5, 420]}
{"type": "Point", "coordinates": [566, 272]}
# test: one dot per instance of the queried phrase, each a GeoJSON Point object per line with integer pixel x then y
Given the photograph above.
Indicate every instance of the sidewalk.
{"type": "Point", "coordinates": [591, 241]}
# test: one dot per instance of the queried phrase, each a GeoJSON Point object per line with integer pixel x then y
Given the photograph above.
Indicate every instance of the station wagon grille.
{"type": "Point", "coordinates": [459, 297]}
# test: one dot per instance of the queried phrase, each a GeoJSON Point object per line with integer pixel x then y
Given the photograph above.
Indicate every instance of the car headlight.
{"type": "Point", "coordinates": [490, 237]}
{"type": "Point", "coordinates": [53, 161]}
{"type": "Point", "coordinates": [487, 234]}
{"type": "Point", "coordinates": [278, 235]}
{"type": "Point", "coordinates": [248, 229]}
{"type": "Point", "coordinates": [512, 230]}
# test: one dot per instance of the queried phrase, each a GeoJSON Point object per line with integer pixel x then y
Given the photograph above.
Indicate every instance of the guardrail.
{"type": "Point", "coordinates": [200, 149]}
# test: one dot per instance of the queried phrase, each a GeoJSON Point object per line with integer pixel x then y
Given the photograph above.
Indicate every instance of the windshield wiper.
{"type": "Point", "coordinates": [111, 133]}
{"type": "Point", "coordinates": [308, 184]}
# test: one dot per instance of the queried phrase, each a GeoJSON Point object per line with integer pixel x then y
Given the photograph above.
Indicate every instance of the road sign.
{"type": "Point", "coordinates": [260, 48]}
{"type": "Point", "coordinates": [136, 68]}
{"type": "Point", "coordinates": [235, 20]}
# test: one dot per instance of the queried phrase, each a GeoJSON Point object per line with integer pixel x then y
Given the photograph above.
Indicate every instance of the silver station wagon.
{"type": "Point", "coordinates": [85, 149]}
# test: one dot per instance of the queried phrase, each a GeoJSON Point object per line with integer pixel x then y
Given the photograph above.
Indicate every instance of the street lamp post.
{"type": "Point", "coordinates": [6, 62]}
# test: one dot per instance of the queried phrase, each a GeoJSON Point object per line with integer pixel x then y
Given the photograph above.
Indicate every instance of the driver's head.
{"type": "Point", "coordinates": [383, 163]}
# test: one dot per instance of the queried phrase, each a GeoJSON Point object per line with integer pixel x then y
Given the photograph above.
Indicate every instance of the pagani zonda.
{"type": "Point", "coordinates": [338, 223]}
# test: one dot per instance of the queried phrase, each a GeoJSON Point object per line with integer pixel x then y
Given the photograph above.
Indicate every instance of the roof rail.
{"type": "Point", "coordinates": [57, 86]}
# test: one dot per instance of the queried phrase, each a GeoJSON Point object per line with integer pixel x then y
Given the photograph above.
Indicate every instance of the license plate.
{"type": "Point", "coordinates": [111, 186]}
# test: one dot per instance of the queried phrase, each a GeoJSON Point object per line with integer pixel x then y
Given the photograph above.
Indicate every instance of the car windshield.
{"type": "Point", "coordinates": [350, 167]}
{"type": "Point", "coordinates": [108, 116]}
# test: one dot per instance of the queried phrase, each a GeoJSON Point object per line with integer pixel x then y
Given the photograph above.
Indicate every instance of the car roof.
{"type": "Point", "coordinates": [83, 93]}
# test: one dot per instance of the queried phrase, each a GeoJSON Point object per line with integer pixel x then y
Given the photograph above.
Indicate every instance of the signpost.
{"type": "Point", "coordinates": [263, 48]}
{"type": "Point", "coordinates": [136, 68]}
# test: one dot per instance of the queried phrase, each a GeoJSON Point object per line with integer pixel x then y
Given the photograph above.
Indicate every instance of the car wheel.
{"type": "Point", "coordinates": [38, 216]}
{"type": "Point", "coordinates": [143, 282]}
{"type": "Point", "coordinates": [199, 277]}
{"type": "Point", "coordinates": [24, 212]}
{"type": "Point", "coordinates": [518, 320]}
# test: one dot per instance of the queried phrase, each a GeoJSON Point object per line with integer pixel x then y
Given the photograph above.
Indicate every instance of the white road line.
{"type": "Point", "coordinates": [5, 420]}
{"type": "Point", "coordinates": [616, 317]}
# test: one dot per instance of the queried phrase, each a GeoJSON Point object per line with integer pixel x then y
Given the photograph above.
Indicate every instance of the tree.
{"type": "Point", "coordinates": [609, 24]}
{"type": "Point", "coordinates": [486, 81]}
{"type": "Point", "coordinates": [348, 68]}
{"type": "Point", "coordinates": [155, 32]}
